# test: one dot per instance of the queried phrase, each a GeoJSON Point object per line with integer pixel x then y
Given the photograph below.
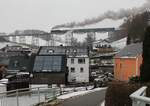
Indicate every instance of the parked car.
{"type": "Point", "coordinates": [103, 79]}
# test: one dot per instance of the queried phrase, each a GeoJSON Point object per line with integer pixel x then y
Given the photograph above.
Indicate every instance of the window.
{"type": "Point", "coordinates": [73, 80]}
{"type": "Point", "coordinates": [48, 63]}
{"type": "Point", "coordinates": [74, 50]}
{"type": "Point", "coordinates": [81, 70]}
{"type": "Point", "coordinates": [72, 61]}
{"type": "Point", "coordinates": [67, 51]}
{"type": "Point", "coordinates": [81, 61]}
{"type": "Point", "coordinates": [72, 69]}
{"type": "Point", "coordinates": [50, 51]}
{"type": "Point", "coordinates": [16, 63]}
{"type": "Point", "coordinates": [120, 65]}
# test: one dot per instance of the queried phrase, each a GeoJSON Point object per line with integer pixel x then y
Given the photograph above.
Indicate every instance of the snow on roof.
{"type": "Point", "coordinates": [4, 44]}
{"type": "Point", "coordinates": [63, 50]}
{"type": "Point", "coordinates": [119, 44]}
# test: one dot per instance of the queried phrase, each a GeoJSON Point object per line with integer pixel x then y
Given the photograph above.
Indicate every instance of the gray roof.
{"type": "Point", "coordinates": [131, 50]}
{"type": "Point", "coordinates": [63, 50]}
{"type": "Point", "coordinates": [9, 54]}
{"type": "Point", "coordinates": [4, 61]}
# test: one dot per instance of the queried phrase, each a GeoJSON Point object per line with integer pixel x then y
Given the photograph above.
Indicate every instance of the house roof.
{"type": "Point", "coordinates": [131, 50]}
{"type": "Point", "coordinates": [49, 63]}
{"type": "Point", "coordinates": [62, 50]}
{"type": "Point", "coordinates": [4, 61]}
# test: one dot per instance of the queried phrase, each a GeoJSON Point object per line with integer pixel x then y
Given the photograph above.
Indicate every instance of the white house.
{"type": "Point", "coordinates": [78, 66]}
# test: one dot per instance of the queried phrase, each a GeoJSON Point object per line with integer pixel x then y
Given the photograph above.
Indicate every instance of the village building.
{"type": "Point", "coordinates": [16, 59]}
{"type": "Point", "coordinates": [15, 65]}
{"type": "Point", "coordinates": [61, 64]}
{"type": "Point", "coordinates": [101, 58]}
{"type": "Point", "coordinates": [128, 62]}
{"type": "Point", "coordinates": [50, 66]}
{"type": "Point", "coordinates": [101, 44]}
{"type": "Point", "coordinates": [78, 65]}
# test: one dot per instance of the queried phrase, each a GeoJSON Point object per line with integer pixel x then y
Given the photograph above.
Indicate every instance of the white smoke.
{"type": "Point", "coordinates": [108, 15]}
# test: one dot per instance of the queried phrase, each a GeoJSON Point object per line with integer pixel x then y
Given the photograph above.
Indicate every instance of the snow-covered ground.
{"type": "Point", "coordinates": [26, 100]}
{"type": "Point", "coordinates": [29, 99]}
{"type": "Point", "coordinates": [78, 93]}
{"type": "Point", "coordinates": [107, 23]}
{"type": "Point", "coordinates": [3, 44]}
{"type": "Point", "coordinates": [103, 103]}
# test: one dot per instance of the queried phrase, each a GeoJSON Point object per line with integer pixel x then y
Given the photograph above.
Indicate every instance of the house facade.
{"type": "Point", "coordinates": [78, 69]}
{"type": "Point", "coordinates": [128, 62]}
{"type": "Point", "coordinates": [101, 59]}
{"type": "Point", "coordinates": [101, 44]}
{"type": "Point", "coordinates": [78, 64]}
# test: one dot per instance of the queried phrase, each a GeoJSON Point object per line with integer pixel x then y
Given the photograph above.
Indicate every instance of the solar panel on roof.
{"type": "Point", "coordinates": [48, 64]}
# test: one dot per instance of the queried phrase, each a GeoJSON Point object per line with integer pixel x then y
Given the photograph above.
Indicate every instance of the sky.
{"type": "Point", "coordinates": [44, 14]}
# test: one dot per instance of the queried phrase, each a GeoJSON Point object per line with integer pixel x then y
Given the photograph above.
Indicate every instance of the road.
{"type": "Point", "coordinates": [91, 99]}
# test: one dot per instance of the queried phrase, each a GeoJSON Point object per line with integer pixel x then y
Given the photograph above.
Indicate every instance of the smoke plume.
{"type": "Point", "coordinates": [108, 15]}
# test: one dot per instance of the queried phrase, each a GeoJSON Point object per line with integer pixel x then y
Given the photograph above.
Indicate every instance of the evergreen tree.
{"type": "Point", "coordinates": [88, 42]}
{"type": "Point", "coordinates": [128, 40]}
{"type": "Point", "coordinates": [135, 27]}
{"type": "Point", "coordinates": [145, 68]}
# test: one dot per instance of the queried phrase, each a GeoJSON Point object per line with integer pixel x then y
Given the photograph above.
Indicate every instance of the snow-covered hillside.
{"type": "Point", "coordinates": [119, 44]}
{"type": "Point", "coordinates": [3, 44]}
{"type": "Point", "coordinates": [107, 23]}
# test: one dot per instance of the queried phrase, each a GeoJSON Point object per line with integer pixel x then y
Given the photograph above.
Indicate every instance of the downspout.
{"type": "Point", "coordinates": [137, 66]}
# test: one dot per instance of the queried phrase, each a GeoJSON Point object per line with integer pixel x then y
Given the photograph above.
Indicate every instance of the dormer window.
{"type": "Point", "coordinates": [16, 63]}
{"type": "Point", "coordinates": [74, 50]}
{"type": "Point", "coordinates": [67, 51]}
{"type": "Point", "coordinates": [50, 51]}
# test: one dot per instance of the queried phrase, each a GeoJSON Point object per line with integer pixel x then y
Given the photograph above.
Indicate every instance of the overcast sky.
{"type": "Point", "coordinates": [44, 14]}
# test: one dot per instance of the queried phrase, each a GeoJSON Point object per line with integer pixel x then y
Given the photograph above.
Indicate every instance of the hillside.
{"type": "Point", "coordinates": [28, 31]}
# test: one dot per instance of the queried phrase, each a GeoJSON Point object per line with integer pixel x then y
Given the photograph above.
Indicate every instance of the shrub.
{"type": "Point", "coordinates": [145, 73]}
{"type": "Point", "coordinates": [134, 79]}
{"type": "Point", "coordinates": [118, 93]}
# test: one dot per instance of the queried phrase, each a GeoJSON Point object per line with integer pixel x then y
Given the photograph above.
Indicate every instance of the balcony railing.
{"type": "Point", "coordinates": [28, 96]}
{"type": "Point", "coordinates": [33, 96]}
{"type": "Point", "coordinates": [139, 97]}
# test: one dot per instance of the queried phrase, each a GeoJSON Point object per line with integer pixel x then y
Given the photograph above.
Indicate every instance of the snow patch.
{"type": "Point", "coordinates": [119, 44]}
{"type": "Point", "coordinates": [103, 103]}
{"type": "Point", "coordinates": [79, 93]}
{"type": "Point", "coordinates": [3, 44]}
